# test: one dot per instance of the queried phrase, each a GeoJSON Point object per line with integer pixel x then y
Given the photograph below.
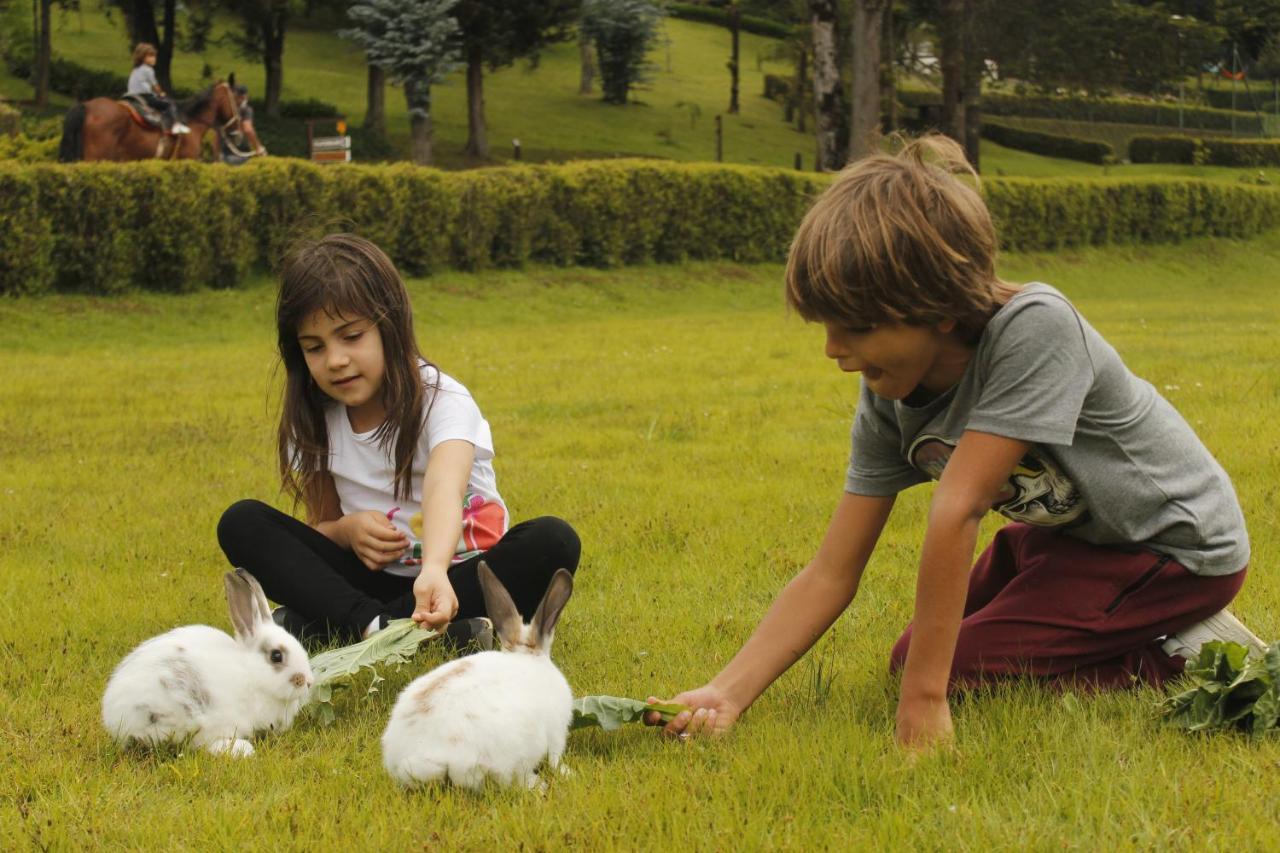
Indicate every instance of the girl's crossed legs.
{"type": "Point", "coordinates": [323, 582]}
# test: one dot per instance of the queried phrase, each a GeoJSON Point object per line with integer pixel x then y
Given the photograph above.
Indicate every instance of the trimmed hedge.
{"type": "Point", "coordinates": [717, 15]}
{"type": "Point", "coordinates": [103, 227]}
{"type": "Point", "coordinates": [1207, 151]}
{"type": "Point", "coordinates": [1048, 144]}
{"type": "Point", "coordinates": [1060, 212]}
{"type": "Point", "coordinates": [1123, 110]}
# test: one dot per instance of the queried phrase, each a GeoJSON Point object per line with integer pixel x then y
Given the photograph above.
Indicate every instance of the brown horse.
{"type": "Point", "coordinates": [105, 129]}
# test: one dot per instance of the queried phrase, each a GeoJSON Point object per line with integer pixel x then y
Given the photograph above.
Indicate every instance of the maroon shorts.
{"type": "Point", "coordinates": [1047, 605]}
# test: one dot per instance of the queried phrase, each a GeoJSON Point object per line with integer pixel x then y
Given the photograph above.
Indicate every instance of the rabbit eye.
{"type": "Point", "coordinates": [277, 656]}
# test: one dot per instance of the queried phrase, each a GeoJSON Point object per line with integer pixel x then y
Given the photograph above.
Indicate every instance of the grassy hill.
{"type": "Point", "coordinates": [674, 117]}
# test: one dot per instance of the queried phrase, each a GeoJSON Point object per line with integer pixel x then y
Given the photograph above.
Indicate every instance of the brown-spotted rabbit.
{"type": "Point", "coordinates": [197, 682]}
{"type": "Point", "coordinates": [497, 714]}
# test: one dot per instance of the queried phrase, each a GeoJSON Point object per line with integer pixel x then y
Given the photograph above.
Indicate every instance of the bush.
{"type": "Point", "coordinates": [777, 88]}
{"type": "Point", "coordinates": [309, 108]}
{"type": "Point", "coordinates": [1059, 212]}
{"type": "Point", "coordinates": [103, 227]}
{"type": "Point", "coordinates": [1123, 110]}
{"type": "Point", "coordinates": [1208, 151]}
{"type": "Point", "coordinates": [714, 15]}
{"type": "Point", "coordinates": [1048, 144]}
{"type": "Point", "coordinates": [24, 149]}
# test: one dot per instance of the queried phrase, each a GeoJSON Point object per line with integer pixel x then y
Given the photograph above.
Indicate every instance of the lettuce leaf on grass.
{"type": "Point", "coordinates": [610, 712]}
{"type": "Point", "coordinates": [1228, 690]}
{"type": "Point", "coordinates": [394, 645]}
{"type": "Point", "coordinates": [398, 643]}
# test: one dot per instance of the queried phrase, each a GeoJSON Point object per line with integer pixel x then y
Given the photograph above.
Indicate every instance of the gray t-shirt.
{"type": "Point", "coordinates": [1112, 462]}
{"type": "Point", "coordinates": [142, 80]}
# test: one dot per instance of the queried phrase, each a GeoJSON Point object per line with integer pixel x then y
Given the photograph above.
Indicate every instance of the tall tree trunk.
{"type": "Point", "coordinates": [798, 97]}
{"type": "Point", "coordinates": [164, 50]}
{"type": "Point", "coordinates": [273, 59]}
{"type": "Point", "coordinates": [735, 17]}
{"type": "Point", "coordinates": [828, 93]}
{"type": "Point", "coordinates": [44, 54]}
{"type": "Point", "coordinates": [888, 77]}
{"type": "Point", "coordinates": [587, 58]}
{"type": "Point", "coordinates": [864, 116]}
{"type": "Point", "coordinates": [375, 112]}
{"type": "Point", "coordinates": [418, 97]}
{"type": "Point", "coordinates": [141, 20]}
{"type": "Point", "coordinates": [971, 89]}
{"type": "Point", "coordinates": [951, 31]}
{"type": "Point", "coordinates": [477, 137]}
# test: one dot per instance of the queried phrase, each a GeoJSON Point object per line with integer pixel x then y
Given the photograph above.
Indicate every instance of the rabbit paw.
{"type": "Point", "coordinates": [236, 747]}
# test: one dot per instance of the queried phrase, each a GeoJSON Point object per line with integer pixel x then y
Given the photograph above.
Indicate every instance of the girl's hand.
{"type": "Point", "coordinates": [711, 712]}
{"type": "Point", "coordinates": [923, 724]}
{"type": "Point", "coordinates": [437, 603]}
{"type": "Point", "coordinates": [374, 539]}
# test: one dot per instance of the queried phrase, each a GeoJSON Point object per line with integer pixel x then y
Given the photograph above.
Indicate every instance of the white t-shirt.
{"type": "Point", "coordinates": [364, 473]}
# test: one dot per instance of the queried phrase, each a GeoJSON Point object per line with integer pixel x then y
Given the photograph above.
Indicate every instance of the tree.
{"type": "Point", "coordinates": [375, 111]}
{"type": "Point", "coordinates": [495, 33]}
{"type": "Point", "coordinates": [586, 59]}
{"type": "Point", "coordinates": [828, 89]}
{"type": "Point", "coordinates": [44, 54]}
{"type": "Point", "coordinates": [622, 31]}
{"type": "Point", "coordinates": [735, 21]}
{"type": "Point", "coordinates": [864, 102]}
{"type": "Point", "coordinates": [263, 26]}
{"type": "Point", "coordinates": [417, 43]}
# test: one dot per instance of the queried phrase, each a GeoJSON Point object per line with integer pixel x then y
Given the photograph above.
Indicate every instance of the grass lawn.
{"type": "Point", "coordinates": [696, 437]}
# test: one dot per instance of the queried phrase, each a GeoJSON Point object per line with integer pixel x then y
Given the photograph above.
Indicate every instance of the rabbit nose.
{"type": "Point", "coordinates": [299, 679]}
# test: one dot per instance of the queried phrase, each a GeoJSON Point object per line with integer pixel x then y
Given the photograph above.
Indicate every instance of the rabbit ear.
{"type": "Point", "coordinates": [553, 601]}
{"type": "Point", "coordinates": [501, 609]}
{"type": "Point", "coordinates": [247, 603]}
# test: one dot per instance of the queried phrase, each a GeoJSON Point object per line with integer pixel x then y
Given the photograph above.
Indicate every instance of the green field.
{"type": "Point", "coordinates": [695, 435]}
{"type": "Point", "coordinates": [675, 117]}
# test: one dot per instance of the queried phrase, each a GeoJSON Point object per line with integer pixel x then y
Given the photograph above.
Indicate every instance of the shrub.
{"type": "Point", "coordinates": [715, 15]}
{"type": "Point", "coordinates": [104, 227]}
{"type": "Point", "coordinates": [1207, 151]}
{"type": "Point", "coordinates": [777, 88]}
{"type": "Point", "coordinates": [308, 108]}
{"type": "Point", "coordinates": [1124, 110]}
{"type": "Point", "coordinates": [1048, 144]}
{"type": "Point", "coordinates": [26, 234]}
{"type": "Point", "coordinates": [1049, 214]}
{"type": "Point", "coordinates": [24, 149]}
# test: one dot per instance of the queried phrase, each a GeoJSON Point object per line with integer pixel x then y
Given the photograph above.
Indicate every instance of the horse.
{"type": "Point", "coordinates": [106, 129]}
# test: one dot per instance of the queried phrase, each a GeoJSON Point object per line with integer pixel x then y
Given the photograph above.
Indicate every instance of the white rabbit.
{"type": "Point", "coordinates": [197, 682]}
{"type": "Point", "coordinates": [496, 714]}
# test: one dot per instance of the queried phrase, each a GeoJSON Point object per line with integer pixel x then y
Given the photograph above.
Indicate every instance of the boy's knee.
{"type": "Point", "coordinates": [556, 538]}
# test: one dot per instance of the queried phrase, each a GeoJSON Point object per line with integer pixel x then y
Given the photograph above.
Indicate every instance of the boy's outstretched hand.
{"type": "Point", "coordinates": [711, 712]}
{"type": "Point", "coordinates": [923, 724]}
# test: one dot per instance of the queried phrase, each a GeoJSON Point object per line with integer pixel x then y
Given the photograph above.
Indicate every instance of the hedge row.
{"type": "Point", "coordinates": [177, 226]}
{"type": "Point", "coordinates": [1049, 214]}
{"type": "Point", "coordinates": [1048, 144]}
{"type": "Point", "coordinates": [1121, 110]}
{"type": "Point", "coordinates": [1207, 151]}
{"type": "Point", "coordinates": [717, 15]}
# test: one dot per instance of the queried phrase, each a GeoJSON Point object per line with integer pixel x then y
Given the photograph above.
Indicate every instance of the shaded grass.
{"type": "Point", "coordinates": [696, 437]}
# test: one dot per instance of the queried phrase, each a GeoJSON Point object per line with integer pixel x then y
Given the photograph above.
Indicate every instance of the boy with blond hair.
{"type": "Point", "coordinates": [1126, 540]}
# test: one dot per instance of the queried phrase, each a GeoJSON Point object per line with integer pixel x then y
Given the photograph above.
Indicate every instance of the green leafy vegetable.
{"type": "Point", "coordinates": [1228, 690]}
{"type": "Point", "coordinates": [610, 712]}
{"type": "Point", "coordinates": [394, 645]}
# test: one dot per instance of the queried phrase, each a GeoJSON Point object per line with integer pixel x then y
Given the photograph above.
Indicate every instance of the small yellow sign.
{"type": "Point", "coordinates": [342, 128]}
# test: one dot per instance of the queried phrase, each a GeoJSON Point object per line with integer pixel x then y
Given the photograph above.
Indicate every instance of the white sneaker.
{"type": "Point", "coordinates": [1220, 626]}
{"type": "Point", "coordinates": [179, 127]}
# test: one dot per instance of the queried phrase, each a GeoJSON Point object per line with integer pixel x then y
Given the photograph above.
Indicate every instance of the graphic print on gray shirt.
{"type": "Point", "coordinates": [1112, 462]}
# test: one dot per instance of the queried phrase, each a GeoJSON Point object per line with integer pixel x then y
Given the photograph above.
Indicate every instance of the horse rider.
{"type": "Point", "coordinates": [143, 83]}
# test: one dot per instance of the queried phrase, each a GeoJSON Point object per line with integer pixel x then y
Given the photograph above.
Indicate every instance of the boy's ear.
{"type": "Point", "coordinates": [947, 326]}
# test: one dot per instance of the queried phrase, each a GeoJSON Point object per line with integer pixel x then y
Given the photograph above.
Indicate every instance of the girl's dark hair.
{"type": "Point", "coordinates": [345, 275]}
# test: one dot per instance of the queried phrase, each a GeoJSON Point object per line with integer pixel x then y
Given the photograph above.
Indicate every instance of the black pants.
{"type": "Point", "coordinates": [168, 109]}
{"type": "Point", "coordinates": [323, 582]}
